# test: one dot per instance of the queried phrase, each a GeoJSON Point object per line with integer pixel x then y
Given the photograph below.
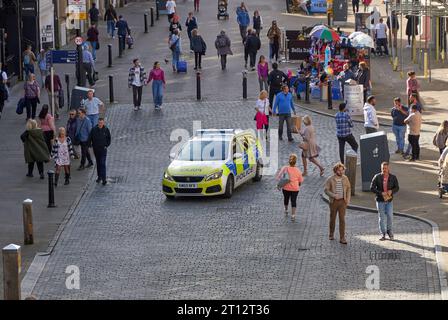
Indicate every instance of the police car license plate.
{"type": "Point", "coordinates": [187, 185]}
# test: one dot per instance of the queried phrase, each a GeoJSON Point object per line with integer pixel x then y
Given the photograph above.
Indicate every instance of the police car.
{"type": "Point", "coordinates": [213, 162]}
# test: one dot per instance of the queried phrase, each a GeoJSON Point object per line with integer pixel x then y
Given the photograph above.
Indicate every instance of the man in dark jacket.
{"type": "Point", "coordinates": [394, 27]}
{"type": "Point", "coordinates": [71, 128]}
{"type": "Point", "coordinates": [92, 38]}
{"type": "Point", "coordinates": [276, 79]}
{"type": "Point", "coordinates": [385, 185]}
{"type": "Point", "coordinates": [223, 44]}
{"type": "Point", "coordinates": [94, 14]}
{"type": "Point", "coordinates": [100, 140]}
{"type": "Point", "coordinates": [122, 31]}
{"type": "Point", "coordinates": [252, 45]}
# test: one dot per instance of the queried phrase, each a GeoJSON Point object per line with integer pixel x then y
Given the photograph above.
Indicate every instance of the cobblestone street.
{"type": "Point", "coordinates": [130, 243]}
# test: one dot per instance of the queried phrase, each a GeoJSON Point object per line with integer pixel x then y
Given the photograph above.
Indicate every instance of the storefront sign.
{"type": "Point", "coordinates": [318, 6]}
{"type": "Point", "coordinates": [299, 49]}
{"type": "Point", "coordinates": [354, 98]}
{"type": "Point", "coordinates": [77, 9]}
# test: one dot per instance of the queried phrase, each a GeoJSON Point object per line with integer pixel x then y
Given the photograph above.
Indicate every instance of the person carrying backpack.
{"type": "Point", "coordinates": [199, 47]}
{"type": "Point", "coordinates": [276, 79]}
{"type": "Point", "coordinates": [222, 44]}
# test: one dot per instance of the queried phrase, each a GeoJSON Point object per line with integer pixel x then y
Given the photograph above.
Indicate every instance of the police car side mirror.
{"type": "Point", "coordinates": [172, 156]}
{"type": "Point", "coordinates": [237, 156]}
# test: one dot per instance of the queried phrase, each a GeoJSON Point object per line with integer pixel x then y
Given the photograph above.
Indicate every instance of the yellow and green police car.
{"type": "Point", "coordinates": [214, 162]}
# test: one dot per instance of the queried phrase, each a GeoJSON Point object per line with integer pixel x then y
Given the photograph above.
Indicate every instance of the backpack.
{"type": "Point", "coordinates": [284, 179]}
{"type": "Point", "coordinates": [222, 42]}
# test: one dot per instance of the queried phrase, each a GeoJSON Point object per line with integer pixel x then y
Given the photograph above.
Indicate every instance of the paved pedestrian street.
{"type": "Point", "coordinates": [129, 242]}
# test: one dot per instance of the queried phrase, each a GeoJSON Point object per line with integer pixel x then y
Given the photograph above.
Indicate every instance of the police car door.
{"type": "Point", "coordinates": [242, 163]}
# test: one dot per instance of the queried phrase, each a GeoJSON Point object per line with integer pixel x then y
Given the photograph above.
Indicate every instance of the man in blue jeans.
{"type": "Point", "coordinates": [385, 185]}
{"type": "Point", "coordinates": [399, 113]}
{"type": "Point", "coordinates": [283, 106]}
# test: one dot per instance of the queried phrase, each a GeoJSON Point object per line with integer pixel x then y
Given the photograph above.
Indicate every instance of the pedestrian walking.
{"type": "Point", "coordinates": [157, 76]}
{"type": "Point", "coordinates": [94, 14]}
{"type": "Point", "coordinates": [46, 123]}
{"type": "Point", "coordinates": [381, 37]}
{"type": "Point", "coordinates": [243, 19]}
{"type": "Point", "coordinates": [393, 25]}
{"type": "Point", "coordinates": [274, 36]}
{"type": "Point", "coordinates": [88, 64]}
{"type": "Point", "coordinates": [366, 4]}
{"type": "Point", "coordinates": [257, 21]}
{"type": "Point", "coordinates": [93, 40]}
{"type": "Point", "coordinates": [83, 128]}
{"type": "Point", "coordinates": [413, 100]}
{"type": "Point", "coordinates": [263, 110]}
{"type": "Point", "coordinates": [191, 23]}
{"type": "Point", "coordinates": [223, 45]}
{"type": "Point", "coordinates": [32, 96]}
{"type": "Point", "coordinates": [385, 185]}
{"type": "Point", "coordinates": [171, 9]}
{"type": "Point", "coordinates": [363, 77]}
{"type": "Point", "coordinates": [42, 64]}
{"type": "Point", "coordinates": [414, 122]}
{"type": "Point", "coordinates": [28, 60]}
{"type": "Point", "coordinates": [441, 136]}
{"type": "Point", "coordinates": [55, 95]}
{"type": "Point", "coordinates": [196, 5]}
{"type": "Point", "coordinates": [61, 152]}
{"type": "Point", "coordinates": [399, 113]}
{"type": "Point", "coordinates": [111, 19]}
{"type": "Point", "coordinates": [411, 28]}
{"type": "Point", "coordinates": [370, 119]}
{"type": "Point", "coordinates": [70, 128]}
{"type": "Point", "coordinates": [344, 134]}
{"type": "Point", "coordinates": [175, 24]}
{"type": "Point", "coordinates": [136, 80]}
{"type": "Point", "coordinates": [174, 43]}
{"type": "Point", "coordinates": [283, 106]}
{"type": "Point", "coordinates": [92, 106]}
{"type": "Point", "coordinates": [276, 80]}
{"type": "Point", "coordinates": [338, 190]}
{"type": "Point", "coordinates": [199, 48]}
{"type": "Point", "coordinates": [310, 149]}
{"type": "Point", "coordinates": [412, 86]}
{"type": "Point", "coordinates": [252, 45]}
{"type": "Point", "coordinates": [100, 140]}
{"type": "Point", "coordinates": [123, 31]}
{"type": "Point", "coordinates": [355, 5]}
{"type": "Point", "coordinates": [292, 187]}
{"type": "Point", "coordinates": [263, 73]}
{"type": "Point", "coordinates": [4, 92]}
{"type": "Point", "coordinates": [35, 148]}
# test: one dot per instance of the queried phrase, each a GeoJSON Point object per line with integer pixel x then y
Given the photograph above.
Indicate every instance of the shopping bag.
{"type": "Point", "coordinates": [61, 99]}
{"type": "Point", "coordinates": [296, 124]}
{"type": "Point", "coordinates": [20, 106]}
{"type": "Point", "coordinates": [284, 179]}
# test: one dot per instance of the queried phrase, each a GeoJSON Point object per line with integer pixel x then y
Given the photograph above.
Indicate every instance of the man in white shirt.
{"type": "Point", "coordinates": [92, 105]}
{"type": "Point", "coordinates": [381, 37]}
{"type": "Point", "coordinates": [171, 8]}
{"type": "Point", "coordinates": [370, 119]}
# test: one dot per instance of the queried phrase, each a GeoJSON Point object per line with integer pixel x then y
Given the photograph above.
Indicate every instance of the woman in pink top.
{"type": "Point", "coordinates": [158, 84]}
{"type": "Point", "coordinates": [291, 189]}
{"type": "Point", "coordinates": [412, 85]}
{"type": "Point", "coordinates": [46, 123]}
{"type": "Point", "coordinates": [263, 72]}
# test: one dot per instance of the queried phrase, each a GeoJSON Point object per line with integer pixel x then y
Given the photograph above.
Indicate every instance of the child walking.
{"type": "Point", "coordinates": [61, 153]}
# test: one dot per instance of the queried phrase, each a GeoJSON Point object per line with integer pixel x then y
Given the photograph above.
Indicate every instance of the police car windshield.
{"type": "Point", "coordinates": [203, 150]}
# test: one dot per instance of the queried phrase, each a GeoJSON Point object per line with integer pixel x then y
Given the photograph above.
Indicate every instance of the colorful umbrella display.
{"type": "Point", "coordinates": [324, 33]}
{"type": "Point", "coordinates": [363, 41]}
{"type": "Point", "coordinates": [355, 34]}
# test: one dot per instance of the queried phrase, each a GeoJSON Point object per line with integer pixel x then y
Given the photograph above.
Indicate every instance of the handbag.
{"type": "Point", "coordinates": [95, 76]}
{"type": "Point", "coordinates": [20, 105]}
{"type": "Point", "coordinates": [97, 45]}
{"type": "Point", "coordinates": [284, 180]}
{"type": "Point", "coordinates": [304, 146]}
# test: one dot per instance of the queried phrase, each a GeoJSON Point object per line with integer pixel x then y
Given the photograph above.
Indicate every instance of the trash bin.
{"type": "Point", "coordinates": [374, 151]}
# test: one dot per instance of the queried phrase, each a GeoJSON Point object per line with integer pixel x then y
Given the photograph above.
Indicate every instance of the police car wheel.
{"type": "Point", "coordinates": [229, 188]}
{"type": "Point", "coordinates": [258, 175]}
{"type": "Point", "coordinates": [168, 197]}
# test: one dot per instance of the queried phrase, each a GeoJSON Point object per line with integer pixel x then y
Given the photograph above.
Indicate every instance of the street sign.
{"type": "Point", "coordinates": [61, 57]}
{"type": "Point", "coordinates": [79, 41]}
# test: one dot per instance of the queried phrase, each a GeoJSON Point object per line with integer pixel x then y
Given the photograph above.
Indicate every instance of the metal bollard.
{"type": "Point", "coordinates": [244, 84]}
{"type": "Point", "coordinates": [152, 17]}
{"type": "Point", "coordinates": [351, 160]}
{"type": "Point", "coordinates": [330, 95]}
{"type": "Point", "coordinates": [109, 53]}
{"type": "Point", "coordinates": [67, 81]}
{"type": "Point", "coordinates": [157, 10]}
{"type": "Point", "coordinates": [307, 89]}
{"type": "Point", "coordinates": [28, 221]}
{"type": "Point", "coordinates": [146, 22]}
{"type": "Point", "coordinates": [120, 47]}
{"type": "Point", "coordinates": [198, 85]}
{"type": "Point", "coordinates": [11, 272]}
{"type": "Point", "coordinates": [51, 189]}
{"type": "Point", "coordinates": [111, 89]}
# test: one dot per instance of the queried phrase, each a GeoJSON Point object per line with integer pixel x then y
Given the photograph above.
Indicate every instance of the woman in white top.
{"type": "Point", "coordinates": [263, 110]}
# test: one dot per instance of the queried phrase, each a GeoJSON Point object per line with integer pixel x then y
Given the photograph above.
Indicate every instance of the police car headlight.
{"type": "Point", "coordinates": [168, 177]}
{"type": "Point", "coordinates": [214, 176]}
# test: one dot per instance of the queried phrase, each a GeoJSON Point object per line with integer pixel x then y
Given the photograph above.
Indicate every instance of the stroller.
{"type": "Point", "coordinates": [222, 9]}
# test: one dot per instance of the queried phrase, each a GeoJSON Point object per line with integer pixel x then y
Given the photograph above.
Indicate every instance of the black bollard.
{"type": "Point", "coordinates": [146, 22]}
{"type": "Point", "coordinates": [307, 89]}
{"type": "Point", "coordinates": [67, 81]}
{"type": "Point", "coordinates": [330, 95]}
{"type": "Point", "coordinates": [120, 47]}
{"type": "Point", "coordinates": [198, 85]}
{"type": "Point", "coordinates": [244, 84]}
{"type": "Point", "coordinates": [157, 10]}
{"type": "Point", "coordinates": [152, 17]}
{"type": "Point", "coordinates": [111, 89]}
{"type": "Point", "coordinates": [109, 53]}
{"type": "Point", "coordinates": [51, 189]}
